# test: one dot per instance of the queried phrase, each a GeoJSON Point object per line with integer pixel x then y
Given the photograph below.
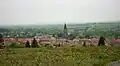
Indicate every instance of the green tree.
{"type": "Point", "coordinates": [1, 41]}
{"type": "Point", "coordinates": [87, 36]}
{"type": "Point", "coordinates": [1, 38]}
{"type": "Point", "coordinates": [27, 44]}
{"type": "Point", "coordinates": [71, 36]}
{"type": "Point", "coordinates": [34, 43]}
{"type": "Point", "coordinates": [60, 35]}
{"type": "Point", "coordinates": [101, 41]}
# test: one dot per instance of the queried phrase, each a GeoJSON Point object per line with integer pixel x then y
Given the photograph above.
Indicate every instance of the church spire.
{"type": "Point", "coordinates": [65, 31]}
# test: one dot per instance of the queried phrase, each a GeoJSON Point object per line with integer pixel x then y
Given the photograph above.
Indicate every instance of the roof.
{"type": "Point", "coordinates": [94, 40]}
{"type": "Point", "coordinates": [116, 42]}
{"type": "Point", "coordinates": [18, 39]}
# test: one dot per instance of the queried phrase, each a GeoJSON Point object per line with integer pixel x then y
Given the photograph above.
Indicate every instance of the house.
{"type": "Point", "coordinates": [18, 40]}
{"type": "Point", "coordinates": [115, 42]}
{"type": "Point", "coordinates": [24, 40]}
{"type": "Point", "coordinates": [86, 41]}
{"type": "Point", "coordinates": [61, 41]}
{"type": "Point", "coordinates": [76, 41]}
{"type": "Point", "coordinates": [45, 39]}
{"type": "Point", "coordinates": [94, 41]}
{"type": "Point", "coordinates": [9, 39]}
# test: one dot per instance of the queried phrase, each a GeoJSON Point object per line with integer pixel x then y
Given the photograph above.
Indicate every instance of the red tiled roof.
{"type": "Point", "coordinates": [18, 39]}
{"type": "Point", "coordinates": [116, 42]}
{"type": "Point", "coordinates": [94, 40]}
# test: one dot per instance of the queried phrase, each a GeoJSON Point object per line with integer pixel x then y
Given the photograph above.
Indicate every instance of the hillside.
{"type": "Point", "coordinates": [71, 56]}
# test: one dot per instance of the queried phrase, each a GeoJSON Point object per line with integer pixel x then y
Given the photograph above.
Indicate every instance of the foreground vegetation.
{"type": "Point", "coordinates": [70, 56]}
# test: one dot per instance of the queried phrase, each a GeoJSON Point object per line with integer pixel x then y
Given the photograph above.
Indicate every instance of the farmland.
{"type": "Point", "coordinates": [70, 56]}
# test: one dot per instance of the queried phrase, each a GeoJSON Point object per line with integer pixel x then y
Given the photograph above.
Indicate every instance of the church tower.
{"type": "Point", "coordinates": [65, 31]}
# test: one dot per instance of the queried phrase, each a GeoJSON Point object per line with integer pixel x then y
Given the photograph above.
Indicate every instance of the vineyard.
{"type": "Point", "coordinates": [70, 56]}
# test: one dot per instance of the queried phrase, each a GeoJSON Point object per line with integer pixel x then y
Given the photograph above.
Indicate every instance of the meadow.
{"type": "Point", "coordinates": [61, 56]}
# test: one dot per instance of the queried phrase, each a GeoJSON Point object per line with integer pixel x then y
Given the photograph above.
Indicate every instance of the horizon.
{"type": "Point", "coordinates": [56, 24]}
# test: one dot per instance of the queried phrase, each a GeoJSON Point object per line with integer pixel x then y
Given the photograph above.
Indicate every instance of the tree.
{"type": "Point", "coordinates": [59, 35]}
{"type": "Point", "coordinates": [27, 44]}
{"type": "Point", "coordinates": [1, 38]}
{"type": "Point", "coordinates": [53, 35]}
{"type": "Point", "coordinates": [34, 43]}
{"type": "Point", "coordinates": [87, 36]}
{"type": "Point", "coordinates": [101, 41]}
{"type": "Point", "coordinates": [1, 41]}
{"type": "Point", "coordinates": [71, 36]}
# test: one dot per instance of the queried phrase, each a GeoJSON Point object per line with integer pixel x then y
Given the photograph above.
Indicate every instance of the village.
{"type": "Point", "coordinates": [59, 32]}
{"type": "Point", "coordinates": [51, 40]}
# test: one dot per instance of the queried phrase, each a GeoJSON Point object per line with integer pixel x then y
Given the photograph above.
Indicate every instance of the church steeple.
{"type": "Point", "coordinates": [65, 31]}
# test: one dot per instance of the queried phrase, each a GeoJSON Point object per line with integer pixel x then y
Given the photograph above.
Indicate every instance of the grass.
{"type": "Point", "coordinates": [71, 56]}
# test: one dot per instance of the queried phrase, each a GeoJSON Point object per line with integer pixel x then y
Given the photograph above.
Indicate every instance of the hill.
{"type": "Point", "coordinates": [71, 56]}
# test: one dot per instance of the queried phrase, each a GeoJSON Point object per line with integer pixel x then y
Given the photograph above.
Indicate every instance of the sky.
{"type": "Point", "coordinates": [18, 12]}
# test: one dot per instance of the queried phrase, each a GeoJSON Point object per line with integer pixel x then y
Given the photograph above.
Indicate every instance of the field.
{"type": "Point", "coordinates": [71, 56]}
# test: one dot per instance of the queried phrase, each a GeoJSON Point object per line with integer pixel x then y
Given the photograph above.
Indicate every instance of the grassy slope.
{"type": "Point", "coordinates": [75, 56]}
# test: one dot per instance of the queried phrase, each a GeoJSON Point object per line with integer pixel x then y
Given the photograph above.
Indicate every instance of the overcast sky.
{"type": "Point", "coordinates": [58, 11]}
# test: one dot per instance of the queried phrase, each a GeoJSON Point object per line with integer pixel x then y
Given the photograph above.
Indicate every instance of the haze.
{"type": "Point", "coordinates": [15, 12]}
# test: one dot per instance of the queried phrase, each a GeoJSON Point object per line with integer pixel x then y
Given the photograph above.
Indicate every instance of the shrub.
{"type": "Point", "coordinates": [14, 45]}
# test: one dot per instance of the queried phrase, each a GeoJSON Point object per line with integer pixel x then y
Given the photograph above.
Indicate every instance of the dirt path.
{"type": "Point", "coordinates": [116, 63]}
